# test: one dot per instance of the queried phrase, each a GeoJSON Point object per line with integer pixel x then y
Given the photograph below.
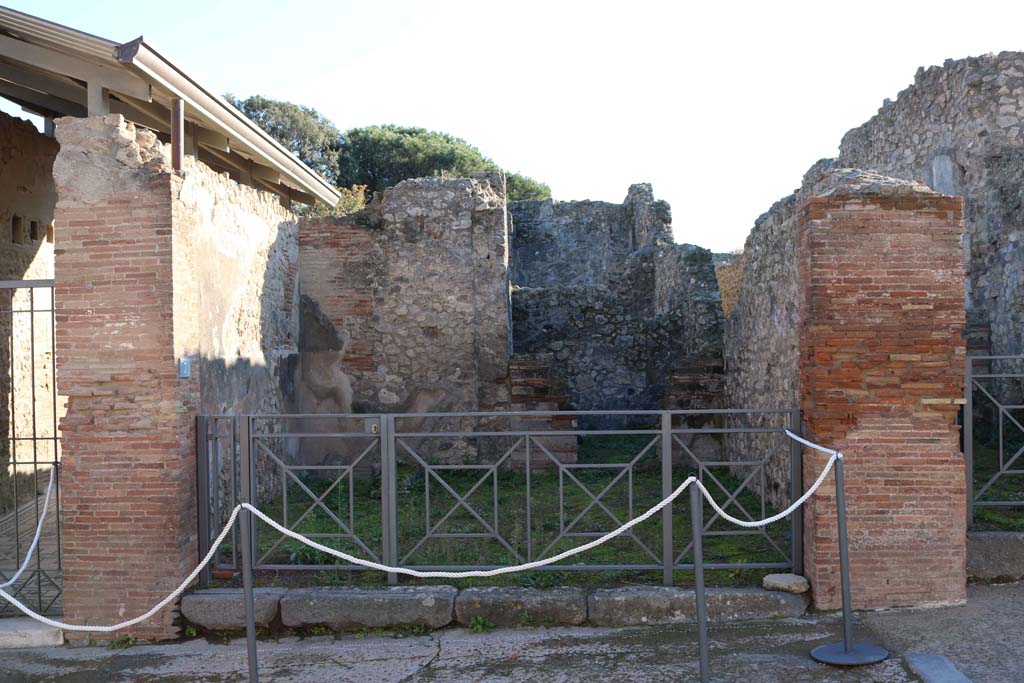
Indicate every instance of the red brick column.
{"type": "Point", "coordinates": [128, 450]}
{"type": "Point", "coordinates": [881, 288]}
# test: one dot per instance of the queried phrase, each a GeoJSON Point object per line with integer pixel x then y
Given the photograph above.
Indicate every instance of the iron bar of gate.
{"type": "Point", "coordinates": [796, 489]}
{"type": "Point", "coordinates": [31, 444]}
{"type": "Point", "coordinates": [392, 440]}
{"type": "Point", "coordinates": [203, 484]}
{"type": "Point", "coordinates": [975, 393]}
{"type": "Point", "coordinates": [968, 421]}
{"type": "Point", "coordinates": [666, 488]}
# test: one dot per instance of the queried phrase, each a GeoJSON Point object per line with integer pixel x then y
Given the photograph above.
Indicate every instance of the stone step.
{"type": "Point", "coordinates": [434, 607]}
{"type": "Point", "coordinates": [18, 632]}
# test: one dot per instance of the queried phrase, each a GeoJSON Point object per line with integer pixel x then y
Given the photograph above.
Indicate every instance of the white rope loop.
{"type": "Point", "coordinates": [477, 573]}
{"type": "Point", "coordinates": [39, 531]}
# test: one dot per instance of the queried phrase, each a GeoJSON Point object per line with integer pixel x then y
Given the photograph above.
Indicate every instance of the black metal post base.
{"type": "Point", "coordinates": [858, 654]}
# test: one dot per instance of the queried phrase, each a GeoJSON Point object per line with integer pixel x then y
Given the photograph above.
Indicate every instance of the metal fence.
{"type": "Point", "coordinates": [461, 491]}
{"type": "Point", "coordinates": [29, 447]}
{"type": "Point", "coordinates": [993, 441]}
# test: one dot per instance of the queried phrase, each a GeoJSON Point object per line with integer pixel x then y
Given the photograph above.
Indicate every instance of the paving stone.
{"type": "Point", "coordinates": [353, 608]}
{"type": "Point", "coordinates": [668, 605]}
{"type": "Point", "coordinates": [788, 583]}
{"type": "Point", "coordinates": [223, 609]}
{"type": "Point", "coordinates": [935, 669]}
{"type": "Point", "coordinates": [522, 606]}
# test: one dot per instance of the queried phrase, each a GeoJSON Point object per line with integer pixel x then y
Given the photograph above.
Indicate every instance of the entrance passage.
{"type": "Point", "coordinates": [29, 447]}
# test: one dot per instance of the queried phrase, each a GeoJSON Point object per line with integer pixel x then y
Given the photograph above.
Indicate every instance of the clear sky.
{"type": "Point", "coordinates": [722, 106]}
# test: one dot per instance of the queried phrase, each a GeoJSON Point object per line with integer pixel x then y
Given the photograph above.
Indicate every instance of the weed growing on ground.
{"type": "Point", "coordinates": [480, 624]}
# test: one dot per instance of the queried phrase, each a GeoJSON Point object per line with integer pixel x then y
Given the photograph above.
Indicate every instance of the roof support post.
{"type": "Point", "coordinates": [97, 99]}
{"type": "Point", "coordinates": [178, 134]}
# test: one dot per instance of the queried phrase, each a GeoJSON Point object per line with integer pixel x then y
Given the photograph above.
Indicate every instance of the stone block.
{"type": "Point", "coordinates": [20, 632]}
{"type": "Point", "coordinates": [354, 608]}
{"type": "Point", "coordinates": [223, 609]}
{"type": "Point", "coordinates": [995, 555]}
{"type": "Point", "coordinates": [522, 606]}
{"type": "Point", "coordinates": [788, 583]}
{"type": "Point", "coordinates": [637, 605]}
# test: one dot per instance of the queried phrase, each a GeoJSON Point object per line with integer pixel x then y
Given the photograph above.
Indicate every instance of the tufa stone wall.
{"type": "Point", "coordinates": [881, 358]}
{"type": "Point", "coordinates": [602, 289]}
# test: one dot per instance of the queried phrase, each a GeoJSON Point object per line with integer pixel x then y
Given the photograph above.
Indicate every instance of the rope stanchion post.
{"type": "Point", "coordinates": [848, 652]}
{"type": "Point", "coordinates": [697, 526]}
{"type": "Point", "coordinates": [246, 537]}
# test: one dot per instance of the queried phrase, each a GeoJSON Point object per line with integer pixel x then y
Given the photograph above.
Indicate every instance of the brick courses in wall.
{"type": "Point", "coordinates": [881, 354]}
{"type": "Point", "coordinates": [139, 251]}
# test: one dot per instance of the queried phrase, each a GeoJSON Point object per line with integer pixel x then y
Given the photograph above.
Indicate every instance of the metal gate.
{"type": "Point", "coordinates": [30, 445]}
{"type": "Point", "coordinates": [460, 491]}
{"type": "Point", "coordinates": [993, 433]}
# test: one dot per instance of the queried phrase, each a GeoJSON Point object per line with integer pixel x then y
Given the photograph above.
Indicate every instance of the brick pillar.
{"type": "Point", "coordinates": [128, 449]}
{"type": "Point", "coordinates": [881, 289]}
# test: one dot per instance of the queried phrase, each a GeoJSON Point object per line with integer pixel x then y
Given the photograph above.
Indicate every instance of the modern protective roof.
{"type": "Point", "coordinates": [53, 70]}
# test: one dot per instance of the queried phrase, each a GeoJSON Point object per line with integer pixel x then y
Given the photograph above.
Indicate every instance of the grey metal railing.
{"type": "Point", "coordinates": [30, 448]}
{"type": "Point", "coordinates": [462, 491]}
{"type": "Point", "coordinates": [993, 437]}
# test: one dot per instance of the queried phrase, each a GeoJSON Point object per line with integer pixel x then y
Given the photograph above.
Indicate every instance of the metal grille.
{"type": "Point", "coordinates": [460, 491]}
{"type": "Point", "coordinates": [993, 422]}
{"type": "Point", "coordinates": [31, 444]}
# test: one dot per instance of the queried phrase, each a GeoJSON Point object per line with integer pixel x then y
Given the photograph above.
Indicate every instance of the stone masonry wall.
{"type": "Point", "coordinates": [603, 290]}
{"type": "Point", "coordinates": [404, 305]}
{"type": "Point", "coordinates": [960, 129]}
{"type": "Point", "coordinates": [235, 253]}
{"type": "Point", "coordinates": [615, 344]}
{"type": "Point", "coordinates": [880, 290]}
{"type": "Point", "coordinates": [558, 244]}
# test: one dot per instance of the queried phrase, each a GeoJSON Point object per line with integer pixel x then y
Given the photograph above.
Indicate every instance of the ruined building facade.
{"type": "Point", "coordinates": [434, 296]}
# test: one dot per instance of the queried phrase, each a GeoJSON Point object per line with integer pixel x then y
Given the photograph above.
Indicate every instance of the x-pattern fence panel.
{"type": "Point", "coordinates": [461, 491]}
{"type": "Point", "coordinates": [994, 440]}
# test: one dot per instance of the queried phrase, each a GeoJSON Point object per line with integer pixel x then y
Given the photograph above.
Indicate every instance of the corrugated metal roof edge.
{"type": "Point", "coordinates": [138, 56]}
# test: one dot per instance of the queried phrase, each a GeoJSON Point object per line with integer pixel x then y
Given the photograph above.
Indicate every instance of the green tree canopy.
{"type": "Point", "coordinates": [383, 156]}
{"type": "Point", "coordinates": [307, 133]}
{"type": "Point", "coordinates": [376, 157]}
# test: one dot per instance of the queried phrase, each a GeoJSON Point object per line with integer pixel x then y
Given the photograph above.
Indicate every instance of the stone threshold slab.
{"type": "Point", "coordinates": [434, 607]}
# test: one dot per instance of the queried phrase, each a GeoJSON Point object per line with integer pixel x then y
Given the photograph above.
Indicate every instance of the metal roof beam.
{"type": "Point", "coordinates": [43, 81]}
{"type": "Point", "coordinates": [67, 65]}
{"type": "Point", "coordinates": [37, 100]}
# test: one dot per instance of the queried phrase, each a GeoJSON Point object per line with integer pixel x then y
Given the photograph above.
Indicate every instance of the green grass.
{"type": "Point", "coordinates": [542, 525]}
{"type": "Point", "coordinates": [1007, 487]}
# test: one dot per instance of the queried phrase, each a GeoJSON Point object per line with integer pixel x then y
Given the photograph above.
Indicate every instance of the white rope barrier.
{"type": "Point", "coordinates": [39, 531]}
{"type": "Point", "coordinates": [478, 573]}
